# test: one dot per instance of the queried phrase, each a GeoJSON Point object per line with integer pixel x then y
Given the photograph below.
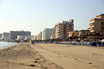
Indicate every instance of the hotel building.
{"type": "Point", "coordinates": [62, 29]}
{"type": "Point", "coordinates": [97, 24]}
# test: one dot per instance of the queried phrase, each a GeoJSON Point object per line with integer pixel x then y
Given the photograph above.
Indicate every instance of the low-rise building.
{"type": "Point", "coordinates": [83, 33]}
{"type": "Point", "coordinates": [74, 34]}
{"type": "Point", "coordinates": [78, 35]}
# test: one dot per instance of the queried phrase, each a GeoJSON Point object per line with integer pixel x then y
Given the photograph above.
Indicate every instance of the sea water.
{"type": "Point", "coordinates": [7, 44]}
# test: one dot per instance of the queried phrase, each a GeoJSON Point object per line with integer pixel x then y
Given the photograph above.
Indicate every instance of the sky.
{"type": "Point", "coordinates": [36, 15]}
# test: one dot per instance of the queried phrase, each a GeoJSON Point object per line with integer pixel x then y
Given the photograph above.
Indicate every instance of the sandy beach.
{"type": "Point", "coordinates": [73, 57]}
{"type": "Point", "coordinates": [51, 56]}
{"type": "Point", "coordinates": [24, 57]}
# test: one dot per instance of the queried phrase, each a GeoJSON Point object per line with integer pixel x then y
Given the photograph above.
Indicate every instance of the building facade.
{"type": "Point", "coordinates": [39, 36]}
{"type": "Point", "coordinates": [13, 34]}
{"type": "Point", "coordinates": [5, 36]}
{"type": "Point", "coordinates": [0, 36]}
{"type": "Point", "coordinates": [46, 34]}
{"type": "Point", "coordinates": [83, 33]}
{"type": "Point", "coordinates": [62, 29]}
{"type": "Point", "coordinates": [78, 35]}
{"type": "Point", "coordinates": [33, 37]}
{"type": "Point", "coordinates": [73, 34]}
{"type": "Point", "coordinates": [22, 37]}
{"type": "Point", "coordinates": [97, 24]}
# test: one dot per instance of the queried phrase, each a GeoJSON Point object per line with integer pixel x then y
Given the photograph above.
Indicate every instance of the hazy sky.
{"type": "Point", "coordinates": [35, 15]}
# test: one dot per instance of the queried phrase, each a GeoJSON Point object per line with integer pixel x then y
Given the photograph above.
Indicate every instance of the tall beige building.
{"type": "Point", "coordinates": [97, 24]}
{"type": "Point", "coordinates": [62, 28]}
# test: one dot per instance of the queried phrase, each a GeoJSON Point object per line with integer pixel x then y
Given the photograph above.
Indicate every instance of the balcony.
{"type": "Point", "coordinates": [91, 24]}
{"type": "Point", "coordinates": [92, 20]}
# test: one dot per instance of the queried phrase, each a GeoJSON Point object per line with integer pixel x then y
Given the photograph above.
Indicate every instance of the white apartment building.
{"type": "Point", "coordinates": [46, 34]}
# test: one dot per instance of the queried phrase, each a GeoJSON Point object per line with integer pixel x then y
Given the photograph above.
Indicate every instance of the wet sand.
{"type": "Point", "coordinates": [24, 56]}
{"type": "Point", "coordinates": [72, 57]}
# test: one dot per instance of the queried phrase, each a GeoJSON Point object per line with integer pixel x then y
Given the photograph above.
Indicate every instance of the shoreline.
{"type": "Point", "coordinates": [4, 45]}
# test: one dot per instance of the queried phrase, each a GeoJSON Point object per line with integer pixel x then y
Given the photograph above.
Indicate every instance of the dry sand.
{"type": "Point", "coordinates": [51, 56]}
{"type": "Point", "coordinates": [72, 57]}
{"type": "Point", "coordinates": [24, 56]}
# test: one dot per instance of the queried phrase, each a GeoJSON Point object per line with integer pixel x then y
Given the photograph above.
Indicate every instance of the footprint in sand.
{"type": "Point", "coordinates": [32, 65]}
{"type": "Point", "coordinates": [35, 61]}
{"type": "Point", "coordinates": [90, 63]}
